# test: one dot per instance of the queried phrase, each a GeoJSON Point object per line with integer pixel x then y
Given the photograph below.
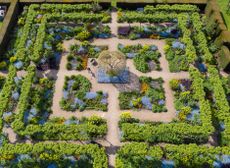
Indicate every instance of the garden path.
{"type": "Point", "coordinates": [112, 140]}
{"type": "Point", "coordinates": [3, 73]}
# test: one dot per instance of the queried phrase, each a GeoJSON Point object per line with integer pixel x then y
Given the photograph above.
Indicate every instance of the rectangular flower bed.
{"type": "Point", "coordinates": [150, 96]}
{"type": "Point", "coordinates": [146, 58]}
{"type": "Point", "coordinates": [79, 55]}
{"type": "Point", "coordinates": [175, 52]}
{"type": "Point", "coordinates": [77, 95]}
{"type": "Point", "coordinates": [187, 107]}
{"type": "Point", "coordinates": [153, 31]}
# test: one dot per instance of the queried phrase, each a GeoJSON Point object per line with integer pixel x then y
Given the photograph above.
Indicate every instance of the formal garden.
{"type": "Point", "coordinates": [89, 85]}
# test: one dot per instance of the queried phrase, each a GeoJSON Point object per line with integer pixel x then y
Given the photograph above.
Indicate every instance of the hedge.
{"type": "Point", "coordinates": [171, 8]}
{"type": "Point", "coordinates": [67, 8]}
{"type": "Point", "coordinates": [224, 57]}
{"type": "Point", "coordinates": [201, 2]}
{"type": "Point", "coordinates": [5, 94]}
{"type": "Point", "coordinates": [21, 51]}
{"type": "Point", "coordinates": [18, 123]}
{"type": "Point", "coordinates": [200, 39]}
{"type": "Point", "coordinates": [135, 155]}
{"type": "Point", "coordinates": [221, 106]}
{"type": "Point", "coordinates": [53, 152]}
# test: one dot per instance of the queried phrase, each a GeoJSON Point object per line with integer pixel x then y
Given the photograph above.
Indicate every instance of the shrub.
{"type": "Point", "coordinates": [3, 65]}
{"type": "Point", "coordinates": [174, 84]}
{"type": "Point", "coordinates": [84, 35]}
{"type": "Point", "coordinates": [13, 59]}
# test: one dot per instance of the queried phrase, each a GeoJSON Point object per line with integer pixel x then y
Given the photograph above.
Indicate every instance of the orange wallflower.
{"type": "Point", "coordinates": [84, 62]}
{"type": "Point", "coordinates": [144, 87]}
{"type": "Point", "coordinates": [154, 36]}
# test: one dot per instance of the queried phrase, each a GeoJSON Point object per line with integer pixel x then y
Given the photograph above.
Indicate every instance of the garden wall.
{"type": "Point", "coordinates": [7, 25]}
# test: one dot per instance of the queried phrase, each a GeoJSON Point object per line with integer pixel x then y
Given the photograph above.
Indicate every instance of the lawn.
{"type": "Point", "coordinates": [224, 7]}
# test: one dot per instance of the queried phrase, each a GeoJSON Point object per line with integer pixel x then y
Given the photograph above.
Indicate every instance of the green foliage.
{"type": "Point", "coordinates": [21, 52]}
{"type": "Point", "coordinates": [84, 35]}
{"type": "Point", "coordinates": [224, 9]}
{"type": "Point", "coordinates": [92, 128]}
{"type": "Point", "coordinates": [174, 84]}
{"type": "Point", "coordinates": [131, 17]}
{"type": "Point", "coordinates": [18, 124]}
{"type": "Point", "coordinates": [150, 88]}
{"type": "Point", "coordinates": [144, 55]}
{"type": "Point", "coordinates": [5, 93]}
{"type": "Point", "coordinates": [52, 13]}
{"type": "Point", "coordinates": [174, 132]}
{"type": "Point", "coordinates": [135, 155]}
{"type": "Point", "coordinates": [221, 105]}
{"type": "Point", "coordinates": [81, 85]}
{"type": "Point", "coordinates": [41, 154]}
{"type": "Point", "coordinates": [171, 8]}
{"type": "Point", "coordinates": [38, 45]}
{"type": "Point", "coordinates": [3, 65]}
{"type": "Point", "coordinates": [200, 38]}
{"type": "Point", "coordinates": [66, 8]}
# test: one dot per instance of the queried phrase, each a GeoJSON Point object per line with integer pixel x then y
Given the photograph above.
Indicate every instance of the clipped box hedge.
{"type": "Point", "coordinates": [52, 153]}
{"type": "Point", "coordinates": [135, 155]}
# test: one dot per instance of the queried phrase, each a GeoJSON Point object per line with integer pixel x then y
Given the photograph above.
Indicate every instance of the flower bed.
{"type": "Point", "coordinates": [187, 107]}
{"type": "Point", "coordinates": [39, 104]}
{"type": "Point", "coordinates": [77, 95]}
{"type": "Point", "coordinates": [175, 54]}
{"type": "Point", "coordinates": [146, 58]}
{"type": "Point", "coordinates": [79, 54]}
{"type": "Point", "coordinates": [156, 31]}
{"type": "Point", "coordinates": [86, 32]}
{"type": "Point", "coordinates": [150, 96]}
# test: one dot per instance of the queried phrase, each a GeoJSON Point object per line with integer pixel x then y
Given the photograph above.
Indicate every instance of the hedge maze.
{"type": "Point", "coordinates": [173, 112]}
